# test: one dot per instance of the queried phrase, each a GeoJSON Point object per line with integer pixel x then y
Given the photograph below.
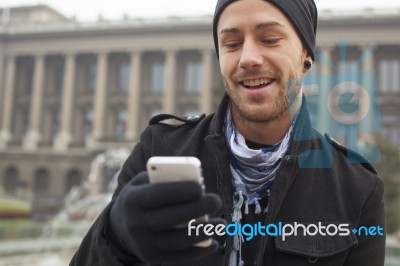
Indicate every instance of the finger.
{"type": "Point", "coordinates": [159, 195]}
{"type": "Point", "coordinates": [170, 216]}
{"type": "Point", "coordinates": [140, 179]}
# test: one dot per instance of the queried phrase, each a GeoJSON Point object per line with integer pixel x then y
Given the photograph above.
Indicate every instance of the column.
{"type": "Point", "coordinates": [206, 88]}
{"type": "Point", "coordinates": [170, 82]}
{"type": "Point", "coordinates": [368, 81]}
{"type": "Point", "coordinates": [134, 95]}
{"type": "Point", "coordinates": [100, 97]}
{"type": "Point", "coordinates": [1, 80]}
{"type": "Point", "coordinates": [64, 137]}
{"type": "Point", "coordinates": [32, 138]}
{"type": "Point", "coordinates": [8, 101]}
{"type": "Point", "coordinates": [324, 118]}
{"type": "Point", "coordinates": [2, 86]}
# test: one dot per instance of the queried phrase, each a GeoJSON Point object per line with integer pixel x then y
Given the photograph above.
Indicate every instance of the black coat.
{"type": "Point", "coordinates": [318, 181]}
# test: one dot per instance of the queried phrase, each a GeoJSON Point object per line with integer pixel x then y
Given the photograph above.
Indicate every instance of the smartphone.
{"type": "Point", "coordinates": [174, 169]}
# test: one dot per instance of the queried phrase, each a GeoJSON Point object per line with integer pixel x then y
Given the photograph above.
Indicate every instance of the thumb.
{"type": "Point", "coordinates": [140, 179]}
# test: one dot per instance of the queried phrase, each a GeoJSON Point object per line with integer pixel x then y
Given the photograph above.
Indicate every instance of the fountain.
{"type": "Point", "coordinates": [60, 237]}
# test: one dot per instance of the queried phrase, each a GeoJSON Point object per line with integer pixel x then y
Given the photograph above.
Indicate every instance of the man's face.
{"type": "Point", "coordinates": [261, 60]}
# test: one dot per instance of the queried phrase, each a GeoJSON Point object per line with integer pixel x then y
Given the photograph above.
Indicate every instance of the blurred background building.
{"type": "Point", "coordinates": [71, 90]}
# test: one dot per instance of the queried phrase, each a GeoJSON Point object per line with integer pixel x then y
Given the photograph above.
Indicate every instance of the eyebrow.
{"type": "Point", "coordinates": [269, 24]}
{"type": "Point", "coordinates": [260, 26]}
{"type": "Point", "coordinates": [229, 30]}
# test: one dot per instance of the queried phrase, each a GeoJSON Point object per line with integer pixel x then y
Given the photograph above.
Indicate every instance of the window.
{"type": "Point", "coordinates": [391, 129]}
{"type": "Point", "coordinates": [29, 80]}
{"type": "Point", "coordinates": [73, 179]}
{"type": "Point", "coordinates": [157, 78]}
{"type": "Point", "coordinates": [193, 77]}
{"type": "Point", "coordinates": [90, 78]}
{"type": "Point", "coordinates": [41, 182]}
{"type": "Point", "coordinates": [389, 75]}
{"type": "Point", "coordinates": [10, 182]}
{"type": "Point", "coordinates": [123, 77]}
{"type": "Point", "coordinates": [25, 122]}
{"type": "Point", "coordinates": [55, 123]}
{"type": "Point", "coordinates": [87, 123]}
{"type": "Point", "coordinates": [120, 123]}
{"type": "Point", "coordinates": [58, 79]}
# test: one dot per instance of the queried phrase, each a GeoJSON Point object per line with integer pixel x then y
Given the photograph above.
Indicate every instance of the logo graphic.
{"type": "Point", "coordinates": [283, 230]}
{"type": "Point", "coordinates": [344, 103]}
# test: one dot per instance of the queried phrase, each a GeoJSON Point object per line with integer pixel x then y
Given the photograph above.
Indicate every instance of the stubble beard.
{"type": "Point", "coordinates": [263, 109]}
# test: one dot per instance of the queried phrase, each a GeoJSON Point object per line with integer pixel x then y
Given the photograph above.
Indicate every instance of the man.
{"type": "Point", "coordinates": [262, 164]}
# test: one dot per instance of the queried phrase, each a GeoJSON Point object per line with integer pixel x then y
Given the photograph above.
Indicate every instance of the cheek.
{"type": "Point", "coordinates": [225, 67]}
{"type": "Point", "coordinates": [291, 65]}
{"type": "Point", "coordinates": [229, 61]}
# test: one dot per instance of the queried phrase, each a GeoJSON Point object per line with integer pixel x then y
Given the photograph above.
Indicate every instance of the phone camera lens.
{"type": "Point", "coordinates": [153, 168]}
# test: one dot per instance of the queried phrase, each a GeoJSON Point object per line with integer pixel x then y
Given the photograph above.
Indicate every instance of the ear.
{"type": "Point", "coordinates": [307, 64]}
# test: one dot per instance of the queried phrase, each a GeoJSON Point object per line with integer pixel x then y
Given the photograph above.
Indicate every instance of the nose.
{"type": "Point", "coordinates": [251, 56]}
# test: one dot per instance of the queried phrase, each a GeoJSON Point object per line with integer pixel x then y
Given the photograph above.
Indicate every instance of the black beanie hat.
{"type": "Point", "coordinates": [302, 14]}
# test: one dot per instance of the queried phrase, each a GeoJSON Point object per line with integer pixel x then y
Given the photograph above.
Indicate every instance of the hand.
{"type": "Point", "coordinates": [144, 220]}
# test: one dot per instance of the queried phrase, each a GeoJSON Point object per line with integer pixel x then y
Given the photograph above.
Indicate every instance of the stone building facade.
{"type": "Point", "coordinates": [71, 90]}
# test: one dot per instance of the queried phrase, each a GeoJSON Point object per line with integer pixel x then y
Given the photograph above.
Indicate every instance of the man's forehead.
{"type": "Point", "coordinates": [257, 14]}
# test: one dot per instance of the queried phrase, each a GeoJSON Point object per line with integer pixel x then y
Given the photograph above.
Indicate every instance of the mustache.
{"type": "Point", "coordinates": [251, 73]}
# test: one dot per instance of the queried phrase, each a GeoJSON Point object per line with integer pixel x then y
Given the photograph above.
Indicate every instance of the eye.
{"type": "Point", "coordinates": [231, 45]}
{"type": "Point", "coordinates": [270, 41]}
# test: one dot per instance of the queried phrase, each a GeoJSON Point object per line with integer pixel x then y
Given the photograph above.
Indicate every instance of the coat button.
{"type": "Point", "coordinates": [312, 260]}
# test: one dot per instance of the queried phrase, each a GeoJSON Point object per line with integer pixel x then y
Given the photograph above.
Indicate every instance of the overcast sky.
{"type": "Point", "coordinates": [89, 10]}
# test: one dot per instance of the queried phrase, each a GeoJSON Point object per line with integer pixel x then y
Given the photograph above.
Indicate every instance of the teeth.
{"type": "Point", "coordinates": [256, 82]}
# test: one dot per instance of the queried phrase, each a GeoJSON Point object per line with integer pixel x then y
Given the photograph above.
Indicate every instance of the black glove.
{"type": "Point", "coordinates": [144, 219]}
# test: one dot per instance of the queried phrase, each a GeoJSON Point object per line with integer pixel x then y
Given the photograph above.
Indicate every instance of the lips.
{"type": "Point", "coordinates": [257, 83]}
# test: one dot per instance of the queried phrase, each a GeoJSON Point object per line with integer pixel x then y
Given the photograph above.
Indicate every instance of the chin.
{"type": "Point", "coordinates": [261, 114]}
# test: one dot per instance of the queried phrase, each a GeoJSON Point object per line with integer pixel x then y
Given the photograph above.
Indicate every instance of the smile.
{"type": "Point", "coordinates": [257, 83]}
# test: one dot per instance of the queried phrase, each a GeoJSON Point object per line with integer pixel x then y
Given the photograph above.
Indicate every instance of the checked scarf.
{"type": "Point", "coordinates": [253, 173]}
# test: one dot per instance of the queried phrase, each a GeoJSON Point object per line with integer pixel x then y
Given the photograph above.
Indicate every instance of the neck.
{"type": "Point", "coordinates": [268, 133]}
